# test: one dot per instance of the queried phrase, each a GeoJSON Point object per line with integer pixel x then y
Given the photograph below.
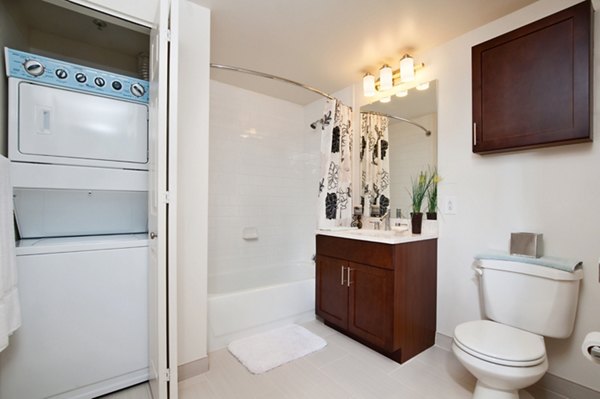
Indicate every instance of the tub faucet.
{"type": "Point", "coordinates": [386, 219]}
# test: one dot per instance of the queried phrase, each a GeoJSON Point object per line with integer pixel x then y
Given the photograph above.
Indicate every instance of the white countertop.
{"type": "Point", "coordinates": [384, 237]}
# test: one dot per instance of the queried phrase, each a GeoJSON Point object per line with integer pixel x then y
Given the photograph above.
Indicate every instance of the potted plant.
{"type": "Point", "coordinates": [417, 195]}
{"type": "Point", "coordinates": [432, 203]}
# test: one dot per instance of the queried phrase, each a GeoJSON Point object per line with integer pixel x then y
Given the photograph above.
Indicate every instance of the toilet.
{"type": "Point", "coordinates": [524, 303]}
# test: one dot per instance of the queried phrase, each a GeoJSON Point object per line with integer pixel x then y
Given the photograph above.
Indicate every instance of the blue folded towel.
{"type": "Point", "coordinates": [567, 265]}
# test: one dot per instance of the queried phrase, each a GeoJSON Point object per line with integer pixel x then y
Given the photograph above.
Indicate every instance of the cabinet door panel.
{"type": "Point", "coordinates": [531, 86]}
{"type": "Point", "coordinates": [332, 292]}
{"type": "Point", "coordinates": [371, 304]}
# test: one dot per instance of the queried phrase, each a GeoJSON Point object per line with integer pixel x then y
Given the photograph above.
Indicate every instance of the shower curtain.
{"type": "Point", "coordinates": [375, 163]}
{"type": "Point", "coordinates": [335, 185]}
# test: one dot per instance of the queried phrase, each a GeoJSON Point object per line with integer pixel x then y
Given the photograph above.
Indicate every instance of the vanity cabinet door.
{"type": "Point", "coordinates": [332, 290]}
{"type": "Point", "coordinates": [371, 304]}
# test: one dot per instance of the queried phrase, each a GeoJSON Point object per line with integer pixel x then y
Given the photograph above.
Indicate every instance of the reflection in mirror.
{"type": "Point", "coordinates": [394, 147]}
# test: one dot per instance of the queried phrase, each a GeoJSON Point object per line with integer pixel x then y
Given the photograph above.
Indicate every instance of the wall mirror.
{"type": "Point", "coordinates": [395, 147]}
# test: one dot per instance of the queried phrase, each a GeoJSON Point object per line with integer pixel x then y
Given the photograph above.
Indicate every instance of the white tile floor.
{"type": "Point", "coordinates": [343, 369]}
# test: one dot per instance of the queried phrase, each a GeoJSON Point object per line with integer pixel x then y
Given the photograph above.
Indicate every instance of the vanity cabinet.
{"type": "Point", "coordinates": [532, 86]}
{"type": "Point", "coordinates": [383, 295]}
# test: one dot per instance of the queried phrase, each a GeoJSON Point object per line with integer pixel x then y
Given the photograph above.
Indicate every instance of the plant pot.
{"type": "Point", "coordinates": [416, 221]}
{"type": "Point", "coordinates": [431, 215]}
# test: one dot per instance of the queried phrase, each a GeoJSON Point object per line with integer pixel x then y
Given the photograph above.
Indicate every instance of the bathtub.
{"type": "Point", "coordinates": [248, 302]}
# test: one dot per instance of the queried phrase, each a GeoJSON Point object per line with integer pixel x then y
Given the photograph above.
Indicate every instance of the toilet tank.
{"type": "Point", "coordinates": [538, 299]}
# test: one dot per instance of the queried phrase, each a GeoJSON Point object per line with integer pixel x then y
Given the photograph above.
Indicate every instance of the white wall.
{"type": "Point", "coordinates": [192, 181]}
{"type": "Point", "coordinates": [258, 174]}
{"type": "Point", "coordinates": [13, 33]}
{"type": "Point", "coordinates": [411, 152]}
{"type": "Point", "coordinates": [554, 191]}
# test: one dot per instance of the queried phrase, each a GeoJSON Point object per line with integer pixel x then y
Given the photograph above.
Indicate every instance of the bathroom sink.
{"type": "Point", "coordinates": [376, 233]}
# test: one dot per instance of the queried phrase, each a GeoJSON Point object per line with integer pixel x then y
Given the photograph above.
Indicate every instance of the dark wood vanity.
{"type": "Point", "coordinates": [382, 295]}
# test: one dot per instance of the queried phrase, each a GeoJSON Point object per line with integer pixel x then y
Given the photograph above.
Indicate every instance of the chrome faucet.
{"type": "Point", "coordinates": [386, 219]}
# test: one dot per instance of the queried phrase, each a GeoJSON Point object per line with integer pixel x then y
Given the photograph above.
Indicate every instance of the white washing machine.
{"type": "Point", "coordinates": [84, 318]}
{"type": "Point", "coordinates": [78, 146]}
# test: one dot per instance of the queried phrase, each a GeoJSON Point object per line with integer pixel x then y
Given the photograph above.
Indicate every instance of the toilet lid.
{"type": "Point", "coordinates": [501, 344]}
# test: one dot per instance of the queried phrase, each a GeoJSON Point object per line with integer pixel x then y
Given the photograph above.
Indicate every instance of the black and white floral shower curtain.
{"type": "Point", "coordinates": [374, 163]}
{"type": "Point", "coordinates": [335, 185]}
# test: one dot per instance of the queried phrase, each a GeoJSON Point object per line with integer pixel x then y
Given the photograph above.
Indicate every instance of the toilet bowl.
{"type": "Point", "coordinates": [504, 359]}
{"type": "Point", "coordinates": [524, 304]}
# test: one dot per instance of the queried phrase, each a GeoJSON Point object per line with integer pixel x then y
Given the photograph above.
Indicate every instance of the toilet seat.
{"type": "Point", "coordinates": [500, 344]}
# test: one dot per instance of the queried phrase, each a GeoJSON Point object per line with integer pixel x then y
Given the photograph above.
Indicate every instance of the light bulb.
{"type": "Point", "coordinates": [385, 78]}
{"type": "Point", "coordinates": [423, 86]}
{"type": "Point", "coordinates": [407, 68]}
{"type": "Point", "coordinates": [385, 99]}
{"type": "Point", "coordinates": [402, 93]}
{"type": "Point", "coordinates": [369, 85]}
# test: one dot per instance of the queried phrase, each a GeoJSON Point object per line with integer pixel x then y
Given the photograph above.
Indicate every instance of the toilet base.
{"type": "Point", "coordinates": [483, 391]}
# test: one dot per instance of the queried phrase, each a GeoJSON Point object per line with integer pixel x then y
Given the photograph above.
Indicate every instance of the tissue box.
{"type": "Point", "coordinates": [526, 244]}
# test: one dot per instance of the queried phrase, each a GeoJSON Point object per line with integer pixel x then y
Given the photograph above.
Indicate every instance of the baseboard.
{"type": "Point", "coordinates": [568, 389]}
{"type": "Point", "coordinates": [549, 387]}
{"type": "Point", "coordinates": [192, 369]}
{"type": "Point", "coordinates": [443, 341]}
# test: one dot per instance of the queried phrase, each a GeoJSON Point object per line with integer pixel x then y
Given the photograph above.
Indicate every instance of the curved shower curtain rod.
{"type": "Point", "coordinates": [269, 76]}
{"type": "Point", "coordinates": [309, 88]}
{"type": "Point", "coordinates": [427, 131]}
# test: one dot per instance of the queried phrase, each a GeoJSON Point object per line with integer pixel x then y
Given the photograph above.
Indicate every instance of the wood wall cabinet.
{"type": "Point", "coordinates": [532, 86]}
{"type": "Point", "coordinates": [382, 295]}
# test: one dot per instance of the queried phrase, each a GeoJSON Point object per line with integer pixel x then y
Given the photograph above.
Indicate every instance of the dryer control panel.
{"type": "Point", "coordinates": [53, 72]}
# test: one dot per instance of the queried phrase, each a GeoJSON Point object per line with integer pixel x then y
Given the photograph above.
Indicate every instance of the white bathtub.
{"type": "Point", "coordinates": [248, 302]}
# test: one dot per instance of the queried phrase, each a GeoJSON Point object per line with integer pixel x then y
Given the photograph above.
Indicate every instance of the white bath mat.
{"type": "Point", "coordinates": [262, 352]}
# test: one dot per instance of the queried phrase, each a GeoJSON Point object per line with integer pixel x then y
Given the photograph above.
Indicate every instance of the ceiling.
{"type": "Point", "coordinates": [330, 44]}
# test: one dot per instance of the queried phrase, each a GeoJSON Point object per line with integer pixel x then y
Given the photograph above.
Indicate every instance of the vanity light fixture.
{"type": "Point", "coordinates": [407, 68]}
{"type": "Point", "coordinates": [369, 85]}
{"type": "Point", "coordinates": [387, 77]}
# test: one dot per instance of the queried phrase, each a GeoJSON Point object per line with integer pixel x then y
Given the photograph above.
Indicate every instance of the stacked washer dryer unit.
{"type": "Point", "coordinates": [78, 145]}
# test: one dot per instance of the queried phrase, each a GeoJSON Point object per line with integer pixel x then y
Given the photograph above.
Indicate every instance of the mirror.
{"type": "Point", "coordinates": [393, 151]}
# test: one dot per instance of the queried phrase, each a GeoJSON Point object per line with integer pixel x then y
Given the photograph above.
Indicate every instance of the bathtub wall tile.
{"type": "Point", "coordinates": [262, 174]}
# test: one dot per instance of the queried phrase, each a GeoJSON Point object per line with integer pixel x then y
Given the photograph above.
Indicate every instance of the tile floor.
{"type": "Point", "coordinates": [343, 369]}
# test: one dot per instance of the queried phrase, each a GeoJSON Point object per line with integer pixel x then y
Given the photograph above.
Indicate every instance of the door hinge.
{"type": "Point", "coordinates": [166, 197]}
{"type": "Point", "coordinates": [168, 35]}
{"type": "Point", "coordinates": [168, 375]}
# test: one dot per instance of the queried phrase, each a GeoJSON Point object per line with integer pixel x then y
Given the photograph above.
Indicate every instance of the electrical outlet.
{"type": "Point", "coordinates": [450, 205]}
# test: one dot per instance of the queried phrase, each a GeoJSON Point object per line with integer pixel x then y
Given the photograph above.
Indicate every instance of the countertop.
{"type": "Point", "coordinates": [384, 237]}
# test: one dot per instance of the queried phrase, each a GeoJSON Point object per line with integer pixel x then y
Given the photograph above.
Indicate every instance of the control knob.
{"type": "Point", "coordinates": [61, 73]}
{"type": "Point", "coordinates": [100, 82]}
{"type": "Point", "coordinates": [33, 67]}
{"type": "Point", "coordinates": [80, 77]}
{"type": "Point", "coordinates": [137, 90]}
